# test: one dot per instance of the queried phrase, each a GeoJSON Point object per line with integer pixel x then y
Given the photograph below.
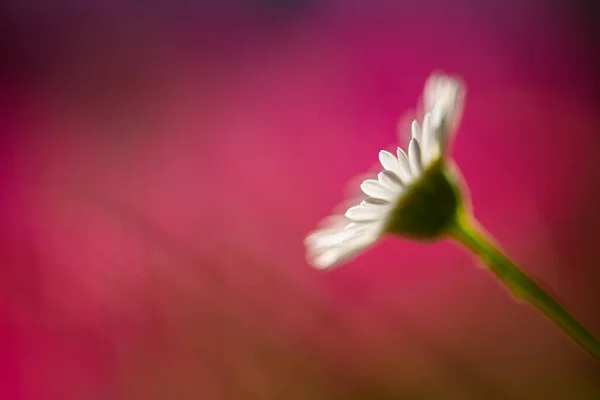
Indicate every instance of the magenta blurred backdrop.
{"type": "Point", "coordinates": [162, 163]}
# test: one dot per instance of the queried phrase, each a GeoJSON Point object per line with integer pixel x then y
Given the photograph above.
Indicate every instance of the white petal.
{"type": "Point", "coordinates": [314, 237]}
{"type": "Point", "coordinates": [335, 256]}
{"type": "Point", "coordinates": [443, 97]}
{"type": "Point", "coordinates": [362, 230]}
{"type": "Point", "coordinates": [356, 227]}
{"type": "Point", "coordinates": [331, 239]}
{"type": "Point", "coordinates": [439, 126]}
{"type": "Point", "coordinates": [372, 200]}
{"type": "Point", "coordinates": [390, 162]}
{"type": "Point", "coordinates": [414, 153]}
{"type": "Point", "coordinates": [338, 255]}
{"type": "Point", "coordinates": [431, 91]}
{"type": "Point", "coordinates": [364, 213]}
{"type": "Point", "coordinates": [353, 225]}
{"type": "Point", "coordinates": [406, 174]}
{"type": "Point", "coordinates": [416, 130]}
{"type": "Point", "coordinates": [327, 259]}
{"type": "Point", "coordinates": [373, 188]}
{"type": "Point", "coordinates": [429, 145]}
{"type": "Point", "coordinates": [379, 209]}
{"type": "Point", "coordinates": [390, 179]}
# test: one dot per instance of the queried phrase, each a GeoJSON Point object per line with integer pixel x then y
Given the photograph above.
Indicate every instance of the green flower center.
{"type": "Point", "coordinates": [430, 206]}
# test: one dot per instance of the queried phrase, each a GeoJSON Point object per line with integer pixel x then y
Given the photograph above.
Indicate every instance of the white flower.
{"type": "Point", "coordinates": [409, 187]}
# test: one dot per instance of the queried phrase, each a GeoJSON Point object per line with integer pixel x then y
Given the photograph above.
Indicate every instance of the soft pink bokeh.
{"type": "Point", "coordinates": [153, 217]}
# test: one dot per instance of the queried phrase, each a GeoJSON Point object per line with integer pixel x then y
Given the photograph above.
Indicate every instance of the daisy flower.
{"type": "Point", "coordinates": [418, 195]}
{"type": "Point", "coordinates": [414, 194]}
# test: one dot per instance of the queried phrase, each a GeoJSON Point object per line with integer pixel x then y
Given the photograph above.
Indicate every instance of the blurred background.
{"type": "Point", "coordinates": [161, 164]}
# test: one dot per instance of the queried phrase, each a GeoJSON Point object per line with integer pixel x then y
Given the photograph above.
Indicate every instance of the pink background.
{"type": "Point", "coordinates": [161, 166]}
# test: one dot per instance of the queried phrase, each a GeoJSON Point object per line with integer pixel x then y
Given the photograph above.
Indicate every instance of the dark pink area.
{"type": "Point", "coordinates": [158, 184]}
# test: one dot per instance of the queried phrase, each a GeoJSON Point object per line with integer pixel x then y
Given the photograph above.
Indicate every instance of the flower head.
{"type": "Point", "coordinates": [415, 195]}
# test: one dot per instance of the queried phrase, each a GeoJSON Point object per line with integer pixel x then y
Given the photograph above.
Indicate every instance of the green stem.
{"type": "Point", "coordinates": [471, 235]}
